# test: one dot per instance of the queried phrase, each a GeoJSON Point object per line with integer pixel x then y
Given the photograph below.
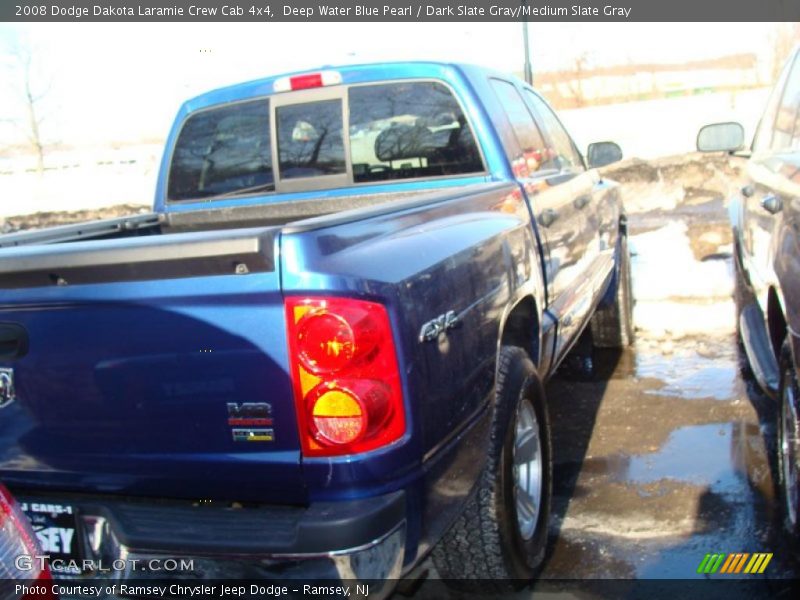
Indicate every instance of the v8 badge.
{"type": "Point", "coordinates": [251, 421]}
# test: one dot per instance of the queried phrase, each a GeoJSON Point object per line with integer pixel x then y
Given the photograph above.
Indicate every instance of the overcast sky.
{"type": "Point", "coordinates": [125, 82]}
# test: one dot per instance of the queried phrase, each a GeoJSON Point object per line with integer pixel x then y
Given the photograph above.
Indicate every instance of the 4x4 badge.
{"type": "Point", "coordinates": [6, 387]}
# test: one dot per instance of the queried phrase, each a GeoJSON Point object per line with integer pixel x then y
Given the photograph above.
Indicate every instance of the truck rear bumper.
{"type": "Point", "coordinates": [354, 540]}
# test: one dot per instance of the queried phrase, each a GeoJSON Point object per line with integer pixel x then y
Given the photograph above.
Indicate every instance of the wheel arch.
{"type": "Point", "coordinates": [521, 327]}
{"type": "Point", "coordinates": [776, 322]}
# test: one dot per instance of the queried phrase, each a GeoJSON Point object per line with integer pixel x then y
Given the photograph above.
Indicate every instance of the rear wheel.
{"type": "Point", "coordinates": [788, 442]}
{"type": "Point", "coordinates": [612, 326]}
{"type": "Point", "coordinates": [500, 537]}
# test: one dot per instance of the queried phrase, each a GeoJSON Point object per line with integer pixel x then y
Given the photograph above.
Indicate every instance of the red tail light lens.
{"type": "Point", "coordinates": [325, 342]}
{"type": "Point", "coordinates": [18, 545]}
{"type": "Point", "coordinates": [329, 342]}
{"type": "Point", "coordinates": [345, 374]}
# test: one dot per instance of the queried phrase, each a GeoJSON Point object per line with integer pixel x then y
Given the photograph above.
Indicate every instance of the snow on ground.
{"type": "Point", "coordinates": [76, 189]}
{"type": "Point", "coordinates": [674, 320]}
{"type": "Point", "coordinates": [676, 294]}
{"type": "Point", "coordinates": [665, 267]}
{"type": "Point", "coordinates": [645, 196]}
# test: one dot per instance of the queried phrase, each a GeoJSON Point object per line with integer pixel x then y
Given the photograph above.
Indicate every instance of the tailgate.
{"type": "Point", "coordinates": [150, 366]}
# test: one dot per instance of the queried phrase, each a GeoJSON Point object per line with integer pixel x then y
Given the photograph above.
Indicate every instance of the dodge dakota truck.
{"type": "Point", "coordinates": [323, 353]}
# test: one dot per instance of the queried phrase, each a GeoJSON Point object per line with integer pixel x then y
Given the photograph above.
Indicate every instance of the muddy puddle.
{"type": "Point", "coordinates": [690, 372]}
{"type": "Point", "coordinates": [678, 463]}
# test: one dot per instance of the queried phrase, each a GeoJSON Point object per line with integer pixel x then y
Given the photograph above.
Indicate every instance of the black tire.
{"type": "Point", "coordinates": [486, 542]}
{"type": "Point", "coordinates": [789, 445]}
{"type": "Point", "coordinates": [612, 326]}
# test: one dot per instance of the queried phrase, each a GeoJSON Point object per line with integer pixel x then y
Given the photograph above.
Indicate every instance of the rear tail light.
{"type": "Point", "coordinates": [307, 81]}
{"type": "Point", "coordinates": [345, 375]}
{"type": "Point", "coordinates": [18, 546]}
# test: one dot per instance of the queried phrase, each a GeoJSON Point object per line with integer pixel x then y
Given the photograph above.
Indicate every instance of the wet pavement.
{"type": "Point", "coordinates": [677, 462]}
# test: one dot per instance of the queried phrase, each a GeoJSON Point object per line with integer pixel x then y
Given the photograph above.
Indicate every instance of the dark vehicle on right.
{"type": "Point", "coordinates": [766, 221]}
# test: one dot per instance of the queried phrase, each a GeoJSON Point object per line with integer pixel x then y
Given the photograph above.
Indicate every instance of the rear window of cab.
{"type": "Point", "coordinates": [370, 133]}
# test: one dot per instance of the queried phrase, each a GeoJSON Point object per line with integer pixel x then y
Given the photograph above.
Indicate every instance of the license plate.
{"type": "Point", "coordinates": [56, 527]}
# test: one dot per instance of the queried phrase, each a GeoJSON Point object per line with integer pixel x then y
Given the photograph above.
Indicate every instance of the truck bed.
{"type": "Point", "coordinates": [134, 346]}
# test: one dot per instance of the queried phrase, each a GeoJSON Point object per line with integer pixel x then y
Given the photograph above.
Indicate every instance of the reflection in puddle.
{"type": "Point", "coordinates": [722, 456]}
{"type": "Point", "coordinates": [689, 376]}
{"type": "Point", "coordinates": [728, 461]}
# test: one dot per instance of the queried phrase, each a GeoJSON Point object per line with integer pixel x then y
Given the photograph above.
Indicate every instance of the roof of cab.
{"type": "Point", "coordinates": [359, 73]}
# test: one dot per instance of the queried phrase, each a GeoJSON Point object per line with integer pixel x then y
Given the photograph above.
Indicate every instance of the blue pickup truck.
{"type": "Point", "coordinates": [323, 353]}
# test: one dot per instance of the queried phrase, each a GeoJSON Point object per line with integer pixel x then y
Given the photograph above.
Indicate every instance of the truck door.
{"type": "Point", "coordinates": [770, 196]}
{"type": "Point", "coordinates": [545, 161]}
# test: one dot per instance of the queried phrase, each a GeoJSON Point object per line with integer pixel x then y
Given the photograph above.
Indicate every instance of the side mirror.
{"type": "Point", "coordinates": [720, 137]}
{"type": "Point", "coordinates": [601, 154]}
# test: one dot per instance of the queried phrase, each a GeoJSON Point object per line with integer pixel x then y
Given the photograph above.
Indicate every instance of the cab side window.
{"type": "Point", "coordinates": [528, 151]}
{"type": "Point", "coordinates": [568, 156]}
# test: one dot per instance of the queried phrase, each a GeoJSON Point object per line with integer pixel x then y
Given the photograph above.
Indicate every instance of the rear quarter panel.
{"type": "Point", "coordinates": [474, 253]}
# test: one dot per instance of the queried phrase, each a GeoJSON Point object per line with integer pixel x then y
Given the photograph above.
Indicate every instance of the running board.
{"type": "Point", "coordinates": [759, 349]}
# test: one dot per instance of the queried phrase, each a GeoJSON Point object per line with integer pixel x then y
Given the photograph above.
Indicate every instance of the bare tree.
{"type": "Point", "coordinates": [784, 37]}
{"type": "Point", "coordinates": [31, 89]}
{"type": "Point", "coordinates": [577, 73]}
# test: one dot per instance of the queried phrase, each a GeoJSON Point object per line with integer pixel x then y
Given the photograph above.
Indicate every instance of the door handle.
{"type": "Point", "coordinates": [582, 201]}
{"type": "Point", "coordinates": [13, 341]}
{"type": "Point", "coordinates": [548, 217]}
{"type": "Point", "coordinates": [772, 204]}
